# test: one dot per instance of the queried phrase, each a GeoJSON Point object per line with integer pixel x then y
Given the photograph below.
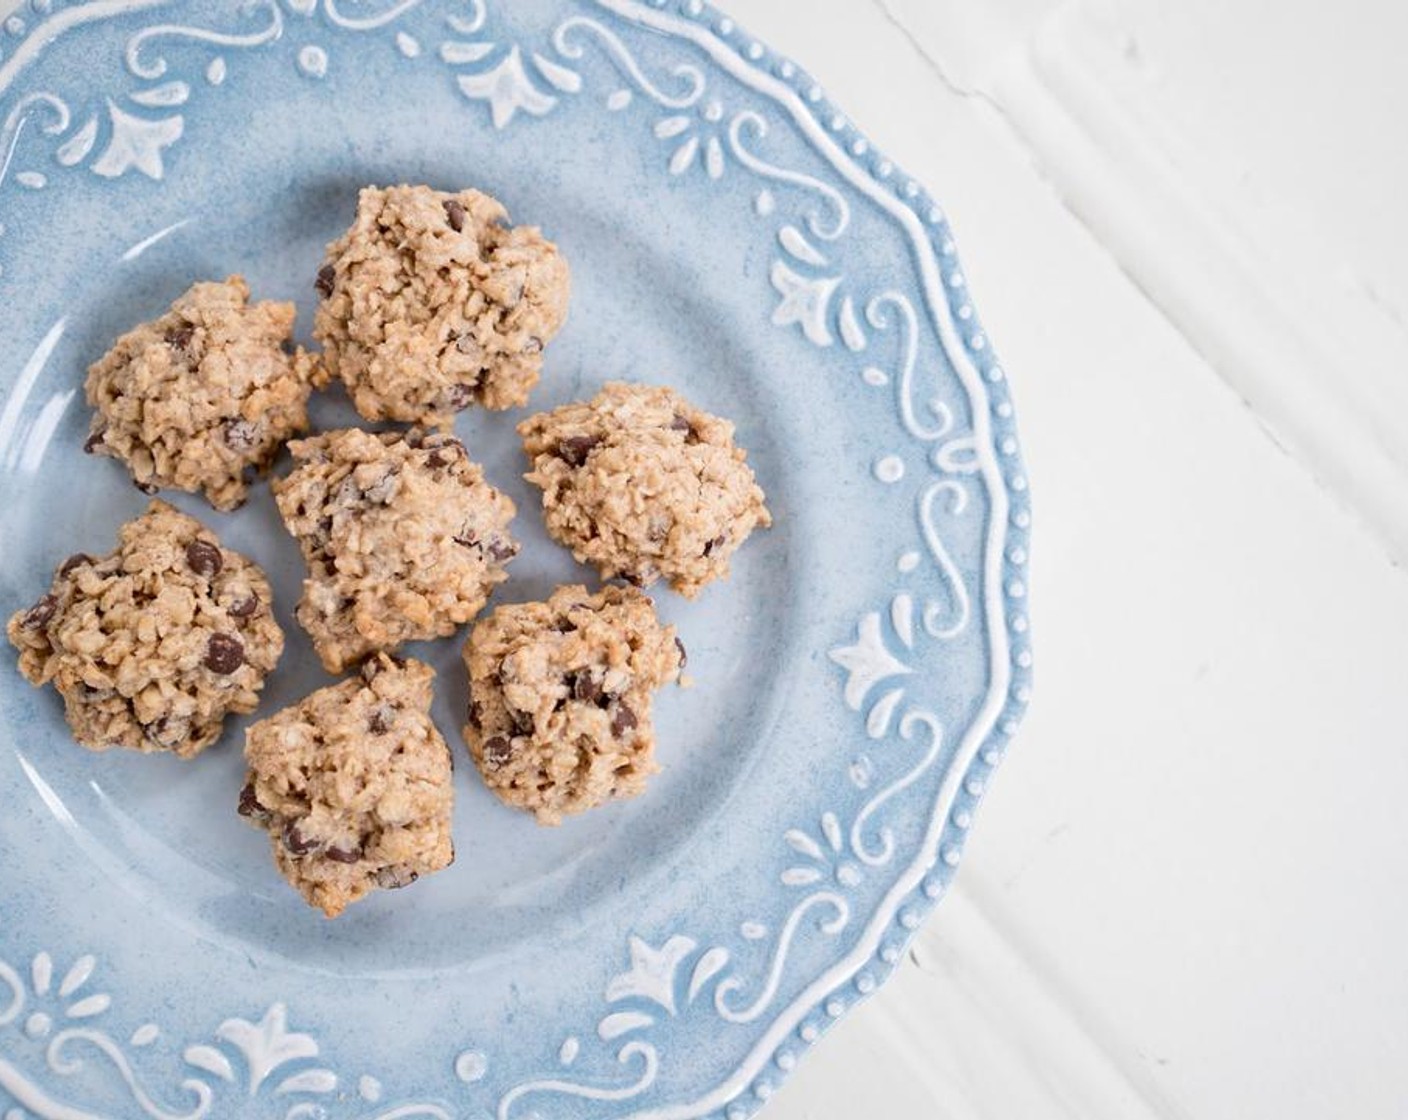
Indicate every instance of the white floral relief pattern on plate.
{"type": "Point", "coordinates": [823, 863]}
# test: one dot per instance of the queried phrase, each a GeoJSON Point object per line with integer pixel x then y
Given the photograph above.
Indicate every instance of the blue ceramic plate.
{"type": "Point", "coordinates": [859, 676]}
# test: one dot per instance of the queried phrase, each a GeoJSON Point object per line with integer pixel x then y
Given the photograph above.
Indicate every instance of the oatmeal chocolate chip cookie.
{"type": "Point", "coordinates": [353, 785]}
{"type": "Point", "coordinates": [152, 645]}
{"type": "Point", "coordinates": [431, 302]}
{"type": "Point", "coordinates": [643, 485]}
{"type": "Point", "coordinates": [560, 716]}
{"type": "Point", "coordinates": [202, 398]}
{"type": "Point", "coordinates": [403, 538]}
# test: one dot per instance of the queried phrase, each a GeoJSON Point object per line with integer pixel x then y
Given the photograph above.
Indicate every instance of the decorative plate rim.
{"type": "Point", "coordinates": [539, 82]}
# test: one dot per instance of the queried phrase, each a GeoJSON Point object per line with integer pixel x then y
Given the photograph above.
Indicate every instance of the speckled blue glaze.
{"type": "Point", "coordinates": [857, 679]}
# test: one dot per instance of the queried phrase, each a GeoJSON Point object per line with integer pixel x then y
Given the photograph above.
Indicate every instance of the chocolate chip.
{"type": "Point", "coordinates": [534, 345]}
{"type": "Point", "coordinates": [157, 732]}
{"type": "Point", "coordinates": [372, 667]}
{"type": "Point", "coordinates": [145, 487]}
{"type": "Point", "coordinates": [502, 550]}
{"type": "Point", "coordinates": [77, 560]}
{"type": "Point", "coordinates": [179, 338]}
{"type": "Point", "coordinates": [459, 397]}
{"type": "Point", "coordinates": [395, 877]}
{"type": "Point", "coordinates": [245, 608]}
{"type": "Point", "coordinates": [575, 449]}
{"type": "Point", "coordinates": [497, 751]}
{"type": "Point", "coordinates": [684, 654]}
{"type": "Point", "coordinates": [241, 435]}
{"type": "Point", "coordinates": [249, 803]}
{"type": "Point", "coordinates": [40, 614]}
{"type": "Point", "coordinates": [454, 214]}
{"type": "Point", "coordinates": [624, 720]}
{"type": "Point", "coordinates": [324, 284]}
{"type": "Point", "coordinates": [94, 441]}
{"type": "Point", "coordinates": [475, 715]}
{"type": "Point", "coordinates": [584, 687]}
{"type": "Point", "coordinates": [435, 460]}
{"type": "Point", "coordinates": [714, 545]}
{"type": "Point", "coordinates": [224, 653]}
{"type": "Point", "coordinates": [522, 721]}
{"type": "Point", "coordinates": [296, 842]}
{"type": "Point", "coordinates": [381, 720]}
{"type": "Point", "coordinates": [339, 854]}
{"type": "Point", "coordinates": [204, 558]}
{"type": "Point", "coordinates": [680, 424]}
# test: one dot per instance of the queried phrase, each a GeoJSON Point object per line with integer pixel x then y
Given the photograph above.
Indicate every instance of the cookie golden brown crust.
{"type": "Point", "coordinates": [560, 715]}
{"type": "Point", "coordinates": [354, 786]}
{"type": "Point", "coordinates": [642, 485]}
{"type": "Point", "coordinates": [152, 645]}
{"type": "Point", "coordinates": [202, 398]}
{"type": "Point", "coordinates": [403, 538]}
{"type": "Point", "coordinates": [431, 302]}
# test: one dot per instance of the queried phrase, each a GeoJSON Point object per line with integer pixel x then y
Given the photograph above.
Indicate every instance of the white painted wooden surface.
{"type": "Point", "coordinates": [1183, 227]}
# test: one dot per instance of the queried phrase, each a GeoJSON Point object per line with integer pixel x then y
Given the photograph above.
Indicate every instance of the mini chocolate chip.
{"type": "Point", "coordinates": [164, 733]}
{"type": "Point", "coordinates": [241, 435]}
{"type": "Point", "coordinates": [715, 544]}
{"type": "Point", "coordinates": [502, 550]}
{"type": "Point", "coordinates": [680, 424]}
{"type": "Point", "coordinates": [534, 345]}
{"type": "Point", "coordinates": [475, 714]}
{"type": "Point", "coordinates": [624, 720]}
{"type": "Point", "coordinates": [684, 654]}
{"type": "Point", "coordinates": [204, 558]}
{"type": "Point", "coordinates": [77, 560]}
{"type": "Point", "coordinates": [324, 284]}
{"type": "Point", "coordinates": [584, 687]}
{"type": "Point", "coordinates": [224, 654]}
{"type": "Point", "coordinates": [497, 751]}
{"type": "Point", "coordinates": [459, 397]}
{"type": "Point", "coordinates": [373, 666]}
{"type": "Point", "coordinates": [522, 721]}
{"type": "Point", "coordinates": [145, 487]}
{"type": "Point", "coordinates": [454, 214]}
{"type": "Point", "coordinates": [395, 877]}
{"type": "Point", "coordinates": [40, 614]}
{"type": "Point", "coordinates": [575, 449]}
{"type": "Point", "coordinates": [94, 441]}
{"type": "Point", "coordinates": [296, 842]}
{"type": "Point", "coordinates": [178, 338]}
{"type": "Point", "coordinates": [245, 608]}
{"type": "Point", "coordinates": [339, 854]}
{"type": "Point", "coordinates": [249, 802]}
{"type": "Point", "coordinates": [381, 720]}
{"type": "Point", "coordinates": [435, 460]}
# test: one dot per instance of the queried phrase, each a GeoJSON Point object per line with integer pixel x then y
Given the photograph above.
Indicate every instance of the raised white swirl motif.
{"type": "Point", "coordinates": [953, 578]}
{"type": "Point", "coordinates": [156, 66]}
{"type": "Point", "coordinates": [650, 1068]}
{"type": "Point", "coordinates": [833, 925]}
{"type": "Point", "coordinates": [371, 22]}
{"type": "Point", "coordinates": [69, 1064]}
{"type": "Point", "coordinates": [942, 424]}
{"type": "Point", "coordinates": [691, 78]}
{"type": "Point", "coordinates": [750, 121]}
{"type": "Point", "coordinates": [11, 980]}
{"type": "Point", "coordinates": [881, 856]}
